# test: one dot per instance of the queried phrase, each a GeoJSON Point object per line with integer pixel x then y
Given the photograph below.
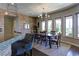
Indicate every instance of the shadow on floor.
{"type": "Point", "coordinates": [35, 52]}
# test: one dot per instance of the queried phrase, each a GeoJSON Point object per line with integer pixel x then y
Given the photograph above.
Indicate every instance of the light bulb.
{"type": "Point", "coordinates": [48, 15]}
{"type": "Point", "coordinates": [6, 13]}
{"type": "Point", "coordinates": [38, 16]}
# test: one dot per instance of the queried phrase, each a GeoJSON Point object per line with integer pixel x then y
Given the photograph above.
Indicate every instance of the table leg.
{"type": "Point", "coordinates": [50, 42]}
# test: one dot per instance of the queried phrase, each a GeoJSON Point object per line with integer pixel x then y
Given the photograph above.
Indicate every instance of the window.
{"type": "Point", "coordinates": [43, 25]}
{"type": "Point", "coordinates": [58, 25]}
{"type": "Point", "coordinates": [69, 26]}
{"type": "Point", "coordinates": [49, 26]}
{"type": "Point", "coordinates": [78, 25]}
{"type": "Point", "coordinates": [26, 26]}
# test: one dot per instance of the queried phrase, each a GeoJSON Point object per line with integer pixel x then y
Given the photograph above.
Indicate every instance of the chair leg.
{"type": "Point", "coordinates": [41, 42]}
{"type": "Point", "coordinates": [37, 41]}
{"type": "Point", "coordinates": [45, 43]}
{"type": "Point", "coordinates": [34, 40]}
{"type": "Point", "coordinates": [57, 44]}
{"type": "Point", "coordinates": [31, 52]}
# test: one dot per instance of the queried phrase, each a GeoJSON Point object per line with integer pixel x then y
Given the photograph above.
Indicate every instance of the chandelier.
{"type": "Point", "coordinates": [44, 15]}
{"type": "Point", "coordinates": [11, 9]}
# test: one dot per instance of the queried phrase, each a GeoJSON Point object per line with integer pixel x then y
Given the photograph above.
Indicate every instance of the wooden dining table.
{"type": "Point", "coordinates": [49, 36]}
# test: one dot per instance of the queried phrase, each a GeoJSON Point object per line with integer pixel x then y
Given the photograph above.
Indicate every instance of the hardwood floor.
{"type": "Point", "coordinates": [73, 51]}
{"type": "Point", "coordinates": [63, 50]}
{"type": "Point", "coordinates": [36, 52]}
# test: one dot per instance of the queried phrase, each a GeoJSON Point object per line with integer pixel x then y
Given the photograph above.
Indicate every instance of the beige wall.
{"type": "Point", "coordinates": [8, 27]}
{"type": "Point", "coordinates": [1, 26]}
{"type": "Point", "coordinates": [22, 19]}
{"type": "Point", "coordinates": [18, 25]}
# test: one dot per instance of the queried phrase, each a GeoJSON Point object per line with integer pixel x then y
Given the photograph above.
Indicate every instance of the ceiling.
{"type": "Point", "coordinates": [35, 9]}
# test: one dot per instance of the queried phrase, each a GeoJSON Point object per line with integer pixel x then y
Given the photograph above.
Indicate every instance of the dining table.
{"type": "Point", "coordinates": [49, 36]}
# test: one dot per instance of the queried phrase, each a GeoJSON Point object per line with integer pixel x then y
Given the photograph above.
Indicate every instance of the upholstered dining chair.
{"type": "Point", "coordinates": [56, 39]}
{"type": "Point", "coordinates": [43, 38]}
{"type": "Point", "coordinates": [22, 47]}
{"type": "Point", "coordinates": [37, 38]}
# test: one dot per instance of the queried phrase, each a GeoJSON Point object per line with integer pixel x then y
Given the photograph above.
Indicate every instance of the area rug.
{"type": "Point", "coordinates": [54, 51]}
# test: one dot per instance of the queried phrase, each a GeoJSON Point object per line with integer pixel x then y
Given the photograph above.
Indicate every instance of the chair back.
{"type": "Point", "coordinates": [36, 36]}
{"type": "Point", "coordinates": [53, 32]}
{"type": "Point", "coordinates": [28, 37]}
{"type": "Point", "coordinates": [59, 37]}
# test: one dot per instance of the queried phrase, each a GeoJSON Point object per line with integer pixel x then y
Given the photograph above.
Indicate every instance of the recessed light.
{"type": "Point", "coordinates": [12, 3]}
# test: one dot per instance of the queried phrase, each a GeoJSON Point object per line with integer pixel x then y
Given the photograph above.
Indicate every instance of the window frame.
{"type": "Point", "coordinates": [51, 25]}
{"type": "Point", "coordinates": [27, 26]}
{"type": "Point", "coordinates": [77, 24]}
{"type": "Point", "coordinates": [41, 26]}
{"type": "Point", "coordinates": [55, 22]}
{"type": "Point", "coordinates": [72, 26]}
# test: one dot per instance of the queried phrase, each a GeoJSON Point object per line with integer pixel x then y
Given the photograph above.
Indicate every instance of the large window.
{"type": "Point", "coordinates": [49, 26]}
{"type": "Point", "coordinates": [26, 26]}
{"type": "Point", "coordinates": [58, 25]}
{"type": "Point", "coordinates": [78, 24]}
{"type": "Point", "coordinates": [43, 25]}
{"type": "Point", "coordinates": [69, 26]}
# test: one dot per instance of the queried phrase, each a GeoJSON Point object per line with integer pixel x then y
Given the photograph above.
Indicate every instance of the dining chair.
{"type": "Point", "coordinates": [56, 39]}
{"type": "Point", "coordinates": [22, 47]}
{"type": "Point", "coordinates": [22, 51]}
{"type": "Point", "coordinates": [37, 38]}
{"type": "Point", "coordinates": [28, 45]}
{"type": "Point", "coordinates": [43, 38]}
{"type": "Point", "coordinates": [17, 48]}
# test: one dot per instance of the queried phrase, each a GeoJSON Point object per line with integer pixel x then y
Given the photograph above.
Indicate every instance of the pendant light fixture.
{"type": "Point", "coordinates": [11, 9]}
{"type": "Point", "coordinates": [44, 15]}
{"type": "Point", "coordinates": [6, 12]}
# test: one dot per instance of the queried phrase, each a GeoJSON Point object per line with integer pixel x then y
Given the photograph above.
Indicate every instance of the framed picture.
{"type": "Point", "coordinates": [38, 24]}
{"type": "Point", "coordinates": [0, 29]}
